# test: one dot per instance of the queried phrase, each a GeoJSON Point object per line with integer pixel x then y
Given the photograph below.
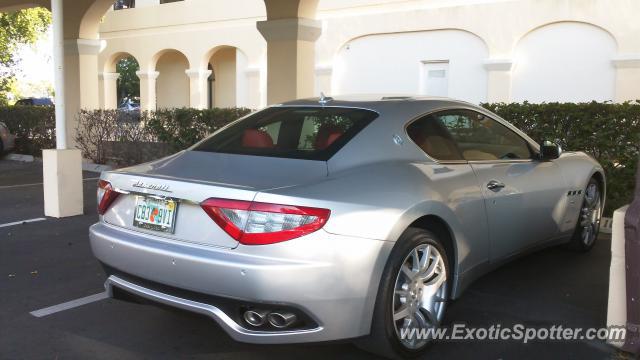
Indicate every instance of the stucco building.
{"type": "Point", "coordinates": [203, 53]}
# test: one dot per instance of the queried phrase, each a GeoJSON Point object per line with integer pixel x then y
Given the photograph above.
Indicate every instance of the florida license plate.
{"type": "Point", "coordinates": [155, 214]}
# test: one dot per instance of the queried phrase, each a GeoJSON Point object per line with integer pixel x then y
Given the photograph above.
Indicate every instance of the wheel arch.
{"type": "Point", "coordinates": [442, 230]}
{"type": "Point", "coordinates": [599, 176]}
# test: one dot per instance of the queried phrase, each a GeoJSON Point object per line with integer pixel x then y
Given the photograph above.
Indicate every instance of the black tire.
{"type": "Point", "coordinates": [383, 340]}
{"type": "Point", "coordinates": [578, 242]}
{"type": "Point", "coordinates": [1, 147]}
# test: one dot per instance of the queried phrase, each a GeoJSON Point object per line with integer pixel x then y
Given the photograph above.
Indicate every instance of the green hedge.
{"type": "Point", "coordinates": [34, 127]}
{"type": "Point", "coordinates": [609, 132]}
{"type": "Point", "coordinates": [181, 128]}
{"type": "Point", "coordinates": [110, 136]}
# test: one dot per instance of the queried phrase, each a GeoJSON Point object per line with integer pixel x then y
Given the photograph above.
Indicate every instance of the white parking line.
{"type": "Point", "coordinates": [22, 222]}
{"type": "Point", "coordinates": [69, 305]}
{"type": "Point", "coordinates": [38, 184]}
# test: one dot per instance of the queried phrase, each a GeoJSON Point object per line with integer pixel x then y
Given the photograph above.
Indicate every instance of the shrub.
{"type": "Point", "coordinates": [111, 136]}
{"type": "Point", "coordinates": [609, 132]}
{"type": "Point", "coordinates": [181, 128]}
{"type": "Point", "coordinates": [34, 127]}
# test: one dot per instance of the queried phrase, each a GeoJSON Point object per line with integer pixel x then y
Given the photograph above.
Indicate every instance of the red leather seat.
{"type": "Point", "coordinates": [254, 138]}
{"type": "Point", "coordinates": [327, 134]}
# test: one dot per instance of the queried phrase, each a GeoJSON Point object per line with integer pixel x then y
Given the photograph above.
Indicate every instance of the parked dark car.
{"type": "Point", "coordinates": [34, 102]}
{"type": "Point", "coordinates": [129, 110]}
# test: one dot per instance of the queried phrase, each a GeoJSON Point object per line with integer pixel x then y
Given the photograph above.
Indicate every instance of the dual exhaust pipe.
{"type": "Point", "coordinates": [277, 319]}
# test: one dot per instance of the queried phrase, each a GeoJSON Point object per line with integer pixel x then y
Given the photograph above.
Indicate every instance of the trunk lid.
{"type": "Point", "coordinates": [191, 177]}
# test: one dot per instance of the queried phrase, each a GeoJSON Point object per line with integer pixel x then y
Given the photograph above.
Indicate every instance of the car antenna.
{"type": "Point", "coordinates": [324, 99]}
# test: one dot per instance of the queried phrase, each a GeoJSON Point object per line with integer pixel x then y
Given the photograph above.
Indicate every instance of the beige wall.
{"type": "Point", "coordinates": [198, 27]}
{"type": "Point", "coordinates": [172, 85]}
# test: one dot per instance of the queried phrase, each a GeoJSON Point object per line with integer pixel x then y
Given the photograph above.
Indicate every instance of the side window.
{"type": "Point", "coordinates": [481, 138]}
{"type": "Point", "coordinates": [434, 139]}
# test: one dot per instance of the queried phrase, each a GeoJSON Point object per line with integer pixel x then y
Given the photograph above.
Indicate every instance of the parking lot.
{"type": "Point", "coordinates": [48, 262]}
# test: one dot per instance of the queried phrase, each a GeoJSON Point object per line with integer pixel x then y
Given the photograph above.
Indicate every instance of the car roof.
{"type": "Point", "coordinates": [374, 143]}
{"type": "Point", "coordinates": [377, 102]}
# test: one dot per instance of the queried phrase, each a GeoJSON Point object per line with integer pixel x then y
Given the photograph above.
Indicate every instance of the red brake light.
{"type": "Point", "coordinates": [254, 223]}
{"type": "Point", "coordinates": [106, 196]}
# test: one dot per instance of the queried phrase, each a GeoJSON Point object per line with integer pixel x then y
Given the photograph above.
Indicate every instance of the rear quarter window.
{"type": "Point", "coordinates": [312, 133]}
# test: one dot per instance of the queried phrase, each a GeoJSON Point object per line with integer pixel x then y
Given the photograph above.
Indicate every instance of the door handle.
{"type": "Point", "coordinates": [495, 185]}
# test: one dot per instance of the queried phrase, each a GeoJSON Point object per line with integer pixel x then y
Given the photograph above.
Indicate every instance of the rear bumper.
{"type": "Point", "coordinates": [331, 279]}
{"type": "Point", "coordinates": [232, 328]}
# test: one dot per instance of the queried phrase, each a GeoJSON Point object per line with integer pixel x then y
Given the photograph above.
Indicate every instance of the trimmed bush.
{"type": "Point", "coordinates": [181, 128]}
{"type": "Point", "coordinates": [34, 127]}
{"type": "Point", "coordinates": [609, 132]}
{"type": "Point", "coordinates": [116, 137]}
{"type": "Point", "coordinates": [111, 136]}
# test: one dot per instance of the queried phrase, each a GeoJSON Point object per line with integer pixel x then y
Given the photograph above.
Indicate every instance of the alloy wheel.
{"type": "Point", "coordinates": [590, 214]}
{"type": "Point", "coordinates": [419, 296]}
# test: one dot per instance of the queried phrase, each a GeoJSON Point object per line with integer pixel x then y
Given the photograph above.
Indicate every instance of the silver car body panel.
{"type": "Point", "coordinates": [376, 186]}
{"type": "Point", "coordinates": [297, 273]}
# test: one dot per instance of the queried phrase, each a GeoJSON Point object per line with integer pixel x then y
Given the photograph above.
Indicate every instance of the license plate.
{"type": "Point", "coordinates": [155, 214]}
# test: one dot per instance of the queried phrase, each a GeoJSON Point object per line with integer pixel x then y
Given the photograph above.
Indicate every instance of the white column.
{"type": "Point", "coordinates": [57, 17]}
{"type": "Point", "coordinates": [147, 89]}
{"type": "Point", "coordinates": [198, 87]}
{"type": "Point", "coordinates": [499, 80]}
{"type": "Point", "coordinates": [81, 81]}
{"type": "Point", "coordinates": [627, 77]}
{"type": "Point", "coordinates": [110, 89]}
{"type": "Point", "coordinates": [62, 167]}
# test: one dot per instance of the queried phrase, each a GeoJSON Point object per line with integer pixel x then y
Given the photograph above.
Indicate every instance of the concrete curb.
{"type": "Point", "coordinates": [19, 157]}
{"type": "Point", "coordinates": [97, 168]}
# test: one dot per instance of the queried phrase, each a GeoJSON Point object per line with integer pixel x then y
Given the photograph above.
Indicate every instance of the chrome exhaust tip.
{"type": "Point", "coordinates": [282, 320]}
{"type": "Point", "coordinates": [255, 317]}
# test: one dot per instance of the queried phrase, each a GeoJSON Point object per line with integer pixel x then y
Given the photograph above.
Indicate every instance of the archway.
{"type": "Point", "coordinates": [128, 88]}
{"type": "Point", "coordinates": [172, 85]}
{"type": "Point", "coordinates": [226, 85]}
{"type": "Point", "coordinates": [564, 62]}
{"type": "Point", "coordinates": [121, 85]}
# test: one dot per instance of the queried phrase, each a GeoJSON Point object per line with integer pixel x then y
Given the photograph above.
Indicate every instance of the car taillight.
{"type": "Point", "coordinates": [106, 196]}
{"type": "Point", "coordinates": [254, 223]}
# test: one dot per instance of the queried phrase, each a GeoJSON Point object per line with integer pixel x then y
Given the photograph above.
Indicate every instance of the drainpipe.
{"type": "Point", "coordinates": [632, 261]}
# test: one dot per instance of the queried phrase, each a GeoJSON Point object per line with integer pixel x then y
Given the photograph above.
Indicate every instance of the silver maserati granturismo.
{"type": "Point", "coordinates": [340, 218]}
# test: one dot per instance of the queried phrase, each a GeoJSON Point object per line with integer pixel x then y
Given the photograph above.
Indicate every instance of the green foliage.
{"type": "Point", "coordinates": [608, 132]}
{"type": "Point", "coordinates": [128, 138]}
{"type": "Point", "coordinates": [16, 28]}
{"type": "Point", "coordinates": [181, 128]}
{"type": "Point", "coordinates": [128, 82]}
{"type": "Point", "coordinates": [34, 127]}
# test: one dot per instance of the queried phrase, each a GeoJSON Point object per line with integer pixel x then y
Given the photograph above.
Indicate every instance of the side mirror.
{"type": "Point", "coordinates": [549, 150]}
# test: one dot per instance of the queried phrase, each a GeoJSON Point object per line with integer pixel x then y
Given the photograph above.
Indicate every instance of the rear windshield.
{"type": "Point", "coordinates": [312, 133]}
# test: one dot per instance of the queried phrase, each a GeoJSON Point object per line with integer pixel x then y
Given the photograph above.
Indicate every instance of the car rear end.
{"type": "Point", "coordinates": [187, 231]}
